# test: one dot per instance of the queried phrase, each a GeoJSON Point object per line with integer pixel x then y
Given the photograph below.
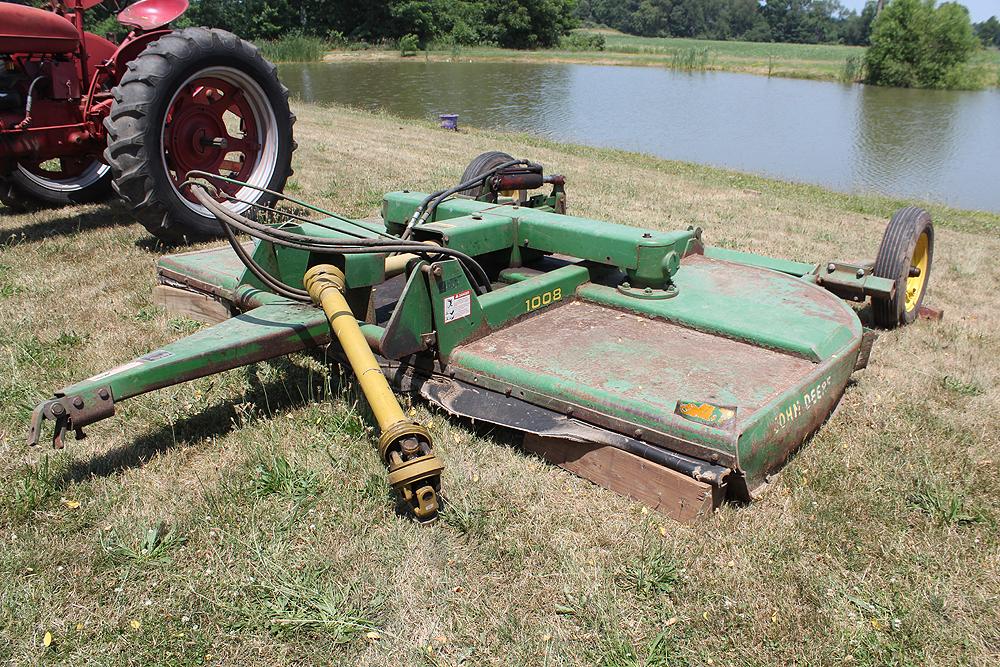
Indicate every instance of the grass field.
{"type": "Point", "coordinates": [243, 519]}
{"type": "Point", "coordinates": [802, 61]}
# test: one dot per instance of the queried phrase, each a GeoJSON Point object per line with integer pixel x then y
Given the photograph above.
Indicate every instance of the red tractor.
{"type": "Point", "coordinates": [81, 115]}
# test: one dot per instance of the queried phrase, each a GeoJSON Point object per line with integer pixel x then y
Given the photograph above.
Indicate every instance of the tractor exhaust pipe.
{"type": "Point", "coordinates": [405, 447]}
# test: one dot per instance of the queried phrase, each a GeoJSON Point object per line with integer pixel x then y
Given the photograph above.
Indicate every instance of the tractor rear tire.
{"type": "Point", "coordinates": [908, 244]}
{"type": "Point", "coordinates": [197, 99]}
{"type": "Point", "coordinates": [480, 165]}
{"type": "Point", "coordinates": [24, 186]}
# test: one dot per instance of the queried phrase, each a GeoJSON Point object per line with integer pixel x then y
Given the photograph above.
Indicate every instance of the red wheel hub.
{"type": "Point", "coordinates": [210, 126]}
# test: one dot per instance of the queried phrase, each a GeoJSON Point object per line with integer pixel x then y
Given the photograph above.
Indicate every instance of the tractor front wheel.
{"type": "Point", "coordinates": [198, 99]}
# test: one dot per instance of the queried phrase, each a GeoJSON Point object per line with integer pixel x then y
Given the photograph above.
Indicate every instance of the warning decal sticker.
{"type": "Point", "coordinates": [457, 306]}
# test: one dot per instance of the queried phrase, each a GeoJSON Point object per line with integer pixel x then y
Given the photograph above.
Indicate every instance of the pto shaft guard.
{"type": "Point", "coordinates": [405, 447]}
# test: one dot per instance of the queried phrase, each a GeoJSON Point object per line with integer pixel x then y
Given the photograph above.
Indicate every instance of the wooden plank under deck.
{"type": "Point", "coordinates": [657, 487]}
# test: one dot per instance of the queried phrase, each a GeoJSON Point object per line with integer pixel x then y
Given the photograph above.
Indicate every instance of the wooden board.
{"type": "Point", "coordinates": [929, 313]}
{"type": "Point", "coordinates": [657, 487]}
{"type": "Point", "coordinates": [195, 305]}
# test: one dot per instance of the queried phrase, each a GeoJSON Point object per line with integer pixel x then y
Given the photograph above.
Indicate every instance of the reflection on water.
{"type": "Point", "coordinates": [935, 145]}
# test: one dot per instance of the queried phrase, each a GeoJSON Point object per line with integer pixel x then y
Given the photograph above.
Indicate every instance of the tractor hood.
{"type": "Point", "coordinates": [30, 30]}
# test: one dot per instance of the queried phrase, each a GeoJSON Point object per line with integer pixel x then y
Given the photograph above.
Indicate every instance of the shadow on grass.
{"type": "Point", "coordinates": [158, 246]}
{"type": "Point", "coordinates": [270, 399]}
{"type": "Point", "coordinates": [111, 214]}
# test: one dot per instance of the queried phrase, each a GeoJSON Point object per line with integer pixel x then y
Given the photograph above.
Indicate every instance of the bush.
{"type": "Point", "coordinates": [854, 68]}
{"type": "Point", "coordinates": [915, 45]}
{"type": "Point", "coordinates": [336, 40]}
{"type": "Point", "coordinates": [582, 41]}
{"type": "Point", "coordinates": [408, 45]}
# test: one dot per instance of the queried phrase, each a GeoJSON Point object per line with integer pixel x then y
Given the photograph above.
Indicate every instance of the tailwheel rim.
{"type": "Point", "coordinates": [220, 121]}
{"type": "Point", "coordinates": [66, 174]}
{"type": "Point", "coordinates": [915, 284]}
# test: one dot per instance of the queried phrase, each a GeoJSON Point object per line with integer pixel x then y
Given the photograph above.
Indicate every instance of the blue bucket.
{"type": "Point", "coordinates": [449, 121]}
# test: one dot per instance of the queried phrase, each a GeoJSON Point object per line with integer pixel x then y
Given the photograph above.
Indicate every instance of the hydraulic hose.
{"type": "Point", "coordinates": [229, 219]}
{"type": "Point", "coordinates": [29, 102]}
{"type": "Point", "coordinates": [431, 201]}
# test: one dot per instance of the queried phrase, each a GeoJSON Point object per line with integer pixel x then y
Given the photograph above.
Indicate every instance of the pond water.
{"type": "Point", "coordinates": [939, 146]}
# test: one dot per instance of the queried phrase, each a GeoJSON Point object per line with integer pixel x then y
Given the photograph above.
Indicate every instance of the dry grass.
{"type": "Point", "coordinates": [243, 519]}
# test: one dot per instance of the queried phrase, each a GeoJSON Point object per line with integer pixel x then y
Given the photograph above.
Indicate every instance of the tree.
{"type": "Point", "coordinates": [989, 32]}
{"type": "Point", "coordinates": [856, 29]}
{"type": "Point", "coordinates": [527, 24]}
{"type": "Point", "coordinates": [915, 45]}
{"type": "Point", "coordinates": [803, 21]}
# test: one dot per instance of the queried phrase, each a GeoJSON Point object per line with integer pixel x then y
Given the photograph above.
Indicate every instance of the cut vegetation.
{"type": "Point", "coordinates": [244, 518]}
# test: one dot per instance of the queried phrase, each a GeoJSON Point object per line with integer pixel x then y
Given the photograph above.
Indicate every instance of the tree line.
{"type": "Point", "coordinates": [528, 24]}
{"type": "Point", "coordinates": [518, 24]}
{"type": "Point", "coordinates": [988, 32]}
{"type": "Point", "coordinates": [800, 21]}
{"type": "Point", "coordinates": [540, 23]}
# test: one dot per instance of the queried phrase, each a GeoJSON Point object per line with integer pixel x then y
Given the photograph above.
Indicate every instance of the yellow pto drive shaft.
{"type": "Point", "coordinates": [405, 447]}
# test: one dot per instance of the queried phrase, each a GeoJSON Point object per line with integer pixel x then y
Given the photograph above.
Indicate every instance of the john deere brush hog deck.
{"type": "Point", "coordinates": [648, 361]}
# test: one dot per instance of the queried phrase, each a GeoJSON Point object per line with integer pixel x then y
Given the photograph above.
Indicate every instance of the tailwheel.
{"type": "Point", "coordinates": [905, 256]}
{"type": "Point", "coordinates": [481, 164]}
{"type": "Point", "coordinates": [202, 100]}
{"type": "Point", "coordinates": [60, 181]}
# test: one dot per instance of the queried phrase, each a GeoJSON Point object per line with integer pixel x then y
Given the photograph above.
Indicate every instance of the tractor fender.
{"type": "Point", "coordinates": [129, 49]}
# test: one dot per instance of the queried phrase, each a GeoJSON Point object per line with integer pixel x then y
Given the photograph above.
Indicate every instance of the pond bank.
{"type": "Point", "coordinates": [819, 62]}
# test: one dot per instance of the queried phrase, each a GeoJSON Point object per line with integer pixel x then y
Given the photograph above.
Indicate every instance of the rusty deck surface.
{"type": "Point", "coordinates": [213, 270]}
{"type": "Point", "coordinates": [607, 362]}
{"type": "Point", "coordinates": [602, 355]}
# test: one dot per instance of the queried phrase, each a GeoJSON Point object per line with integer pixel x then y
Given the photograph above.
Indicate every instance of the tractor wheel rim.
{"type": "Point", "coordinates": [220, 121]}
{"type": "Point", "coordinates": [915, 284]}
{"type": "Point", "coordinates": [68, 178]}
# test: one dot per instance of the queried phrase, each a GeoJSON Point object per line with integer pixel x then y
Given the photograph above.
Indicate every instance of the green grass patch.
{"type": "Point", "coordinates": [301, 605]}
{"type": "Point", "coordinates": [692, 58]}
{"type": "Point", "coordinates": [152, 545]}
{"type": "Point", "coordinates": [31, 489]}
{"type": "Point", "coordinates": [653, 574]}
{"type": "Point", "coordinates": [961, 387]}
{"type": "Point", "coordinates": [618, 651]}
{"type": "Point", "coordinates": [466, 516]}
{"type": "Point", "coordinates": [276, 476]}
{"type": "Point", "coordinates": [294, 47]}
{"type": "Point", "coordinates": [943, 505]}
